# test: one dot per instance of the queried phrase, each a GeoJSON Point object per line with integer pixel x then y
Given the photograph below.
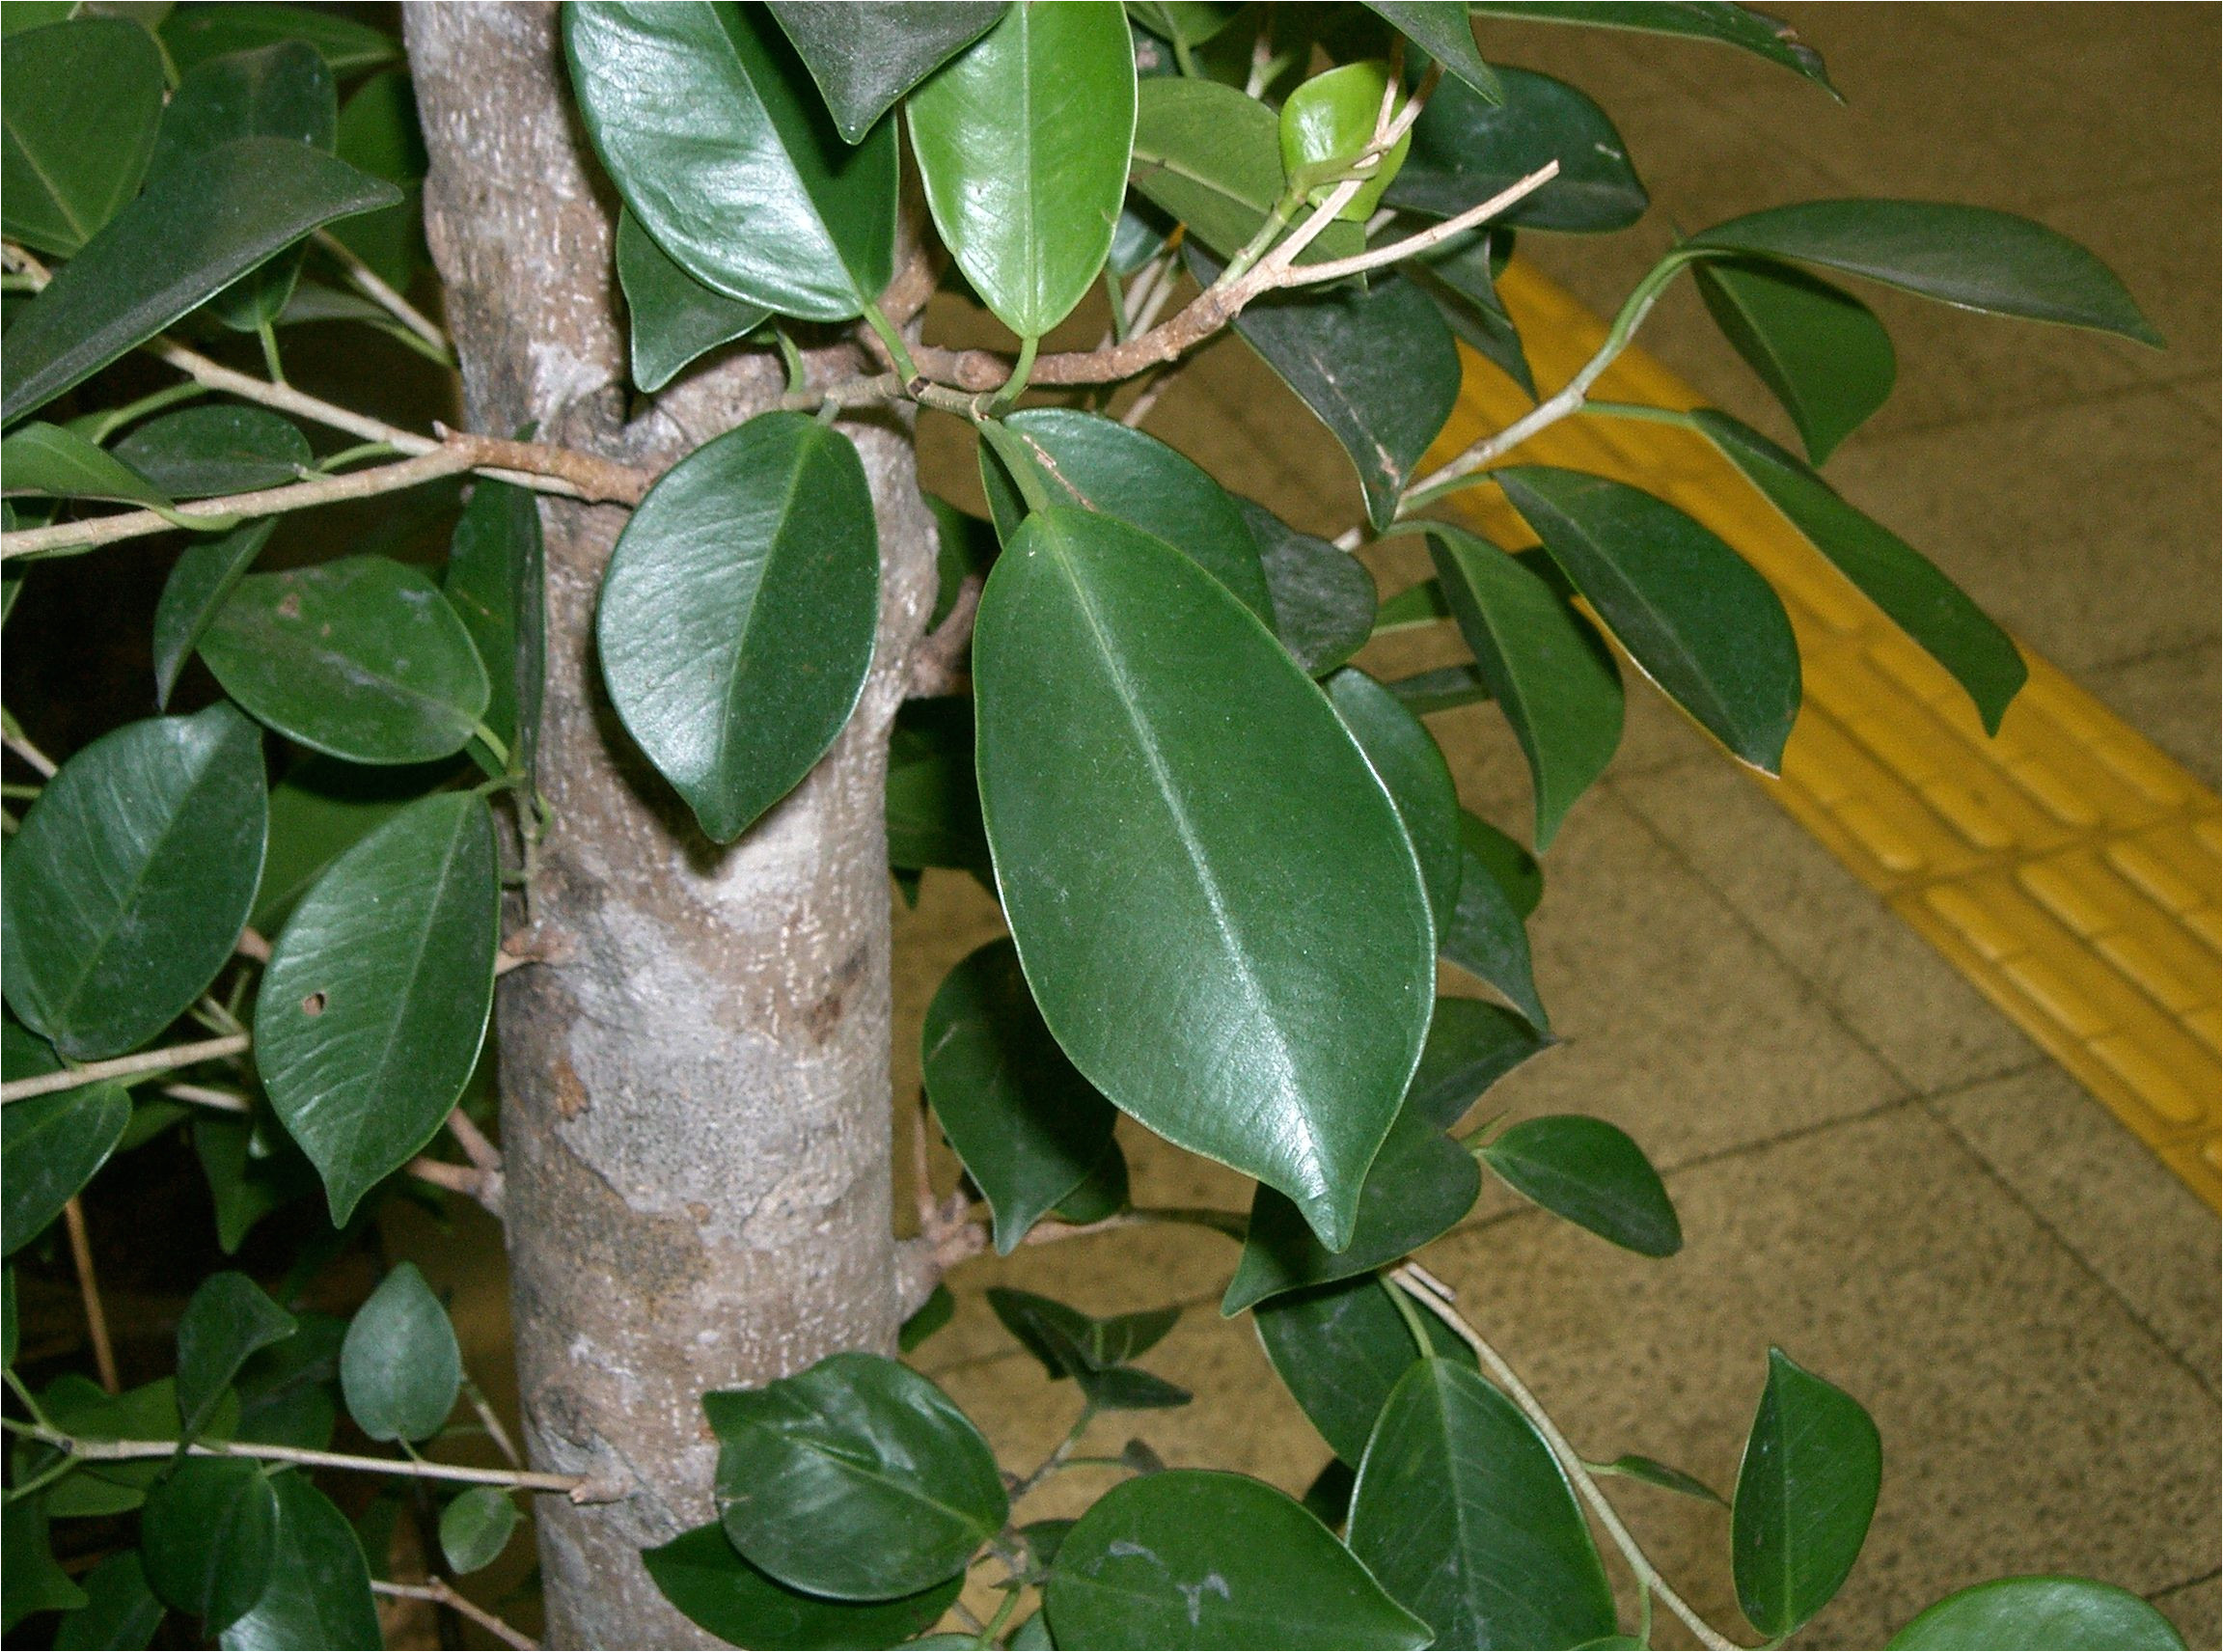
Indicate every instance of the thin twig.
{"type": "Point", "coordinates": [440, 1592]}
{"type": "Point", "coordinates": [492, 1423]}
{"type": "Point", "coordinates": [203, 1096]}
{"type": "Point", "coordinates": [1412, 246]}
{"type": "Point", "coordinates": [20, 744]}
{"type": "Point", "coordinates": [367, 282]}
{"type": "Point", "coordinates": [89, 1287]}
{"type": "Point", "coordinates": [164, 1060]}
{"type": "Point", "coordinates": [251, 944]}
{"type": "Point", "coordinates": [934, 666]}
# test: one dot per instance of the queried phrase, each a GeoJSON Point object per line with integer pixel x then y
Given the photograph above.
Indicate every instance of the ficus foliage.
{"type": "Point", "coordinates": [1230, 862]}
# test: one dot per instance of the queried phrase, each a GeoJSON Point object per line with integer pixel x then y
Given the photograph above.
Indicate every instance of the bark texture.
{"type": "Point", "coordinates": [695, 1097]}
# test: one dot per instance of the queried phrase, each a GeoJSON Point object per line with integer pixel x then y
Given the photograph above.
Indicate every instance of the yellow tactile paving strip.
{"type": "Point", "coordinates": [2068, 867]}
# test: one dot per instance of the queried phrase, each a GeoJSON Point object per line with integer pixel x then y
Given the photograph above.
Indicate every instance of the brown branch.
{"type": "Point", "coordinates": [440, 1592]}
{"type": "Point", "coordinates": [597, 479]}
{"type": "Point", "coordinates": [935, 666]}
{"type": "Point", "coordinates": [159, 1061]}
{"type": "Point", "coordinates": [481, 1180]}
{"type": "Point", "coordinates": [89, 1287]}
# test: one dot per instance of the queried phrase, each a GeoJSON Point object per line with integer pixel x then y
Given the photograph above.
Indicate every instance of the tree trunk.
{"type": "Point", "coordinates": [695, 1096]}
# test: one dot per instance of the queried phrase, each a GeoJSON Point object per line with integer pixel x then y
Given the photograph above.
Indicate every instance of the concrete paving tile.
{"type": "Point", "coordinates": [2029, 1424]}
{"type": "Point", "coordinates": [1889, 986]}
{"type": "Point", "coordinates": [2194, 1610]}
{"type": "Point", "coordinates": [2205, 396]}
{"type": "Point", "coordinates": [2105, 1196]}
{"type": "Point", "coordinates": [2172, 700]}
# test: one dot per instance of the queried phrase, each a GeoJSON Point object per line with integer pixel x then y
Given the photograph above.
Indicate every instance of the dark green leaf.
{"type": "Point", "coordinates": [400, 1368]}
{"type": "Point", "coordinates": [1212, 157]}
{"type": "Point", "coordinates": [1692, 613]}
{"type": "Point", "coordinates": [701, 1574]}
{"type": "Point", "coordinates": [2072, 1613]}
{"type": "Point", "coordinates": [1444, 32]}
{"type": "Point", "coordinates": [711, 130]}
{"type": "Point", "coordinates": [199, 452]}
{"type": "Point", "coordinates": [1970, 256]}
{"type": "Point", "coordinates": [933, 804]}
{"type": "Point", "coordinates": [865, 54]}
{"type": "Point", "coordinates": [196, 33]}
{"type": "Point", "coordinates": [1195, 1559]}
{"type": "Point", "coordinates": [1465, 149]}
{"type": "Point", "coordinates": [965, 547]}
{"type": "Point", "coordinates": [228, 1319]}
{"type": "Point", "coordinates": [494, 582]}
{"type": "Point", "coordinates": [85, 96]}
{"type": "Point", "coordinates": [932, 1315]}
{"type": "Point", "coordinates": [376, 995]}
{"type": "Point", "coordinates": [378, 132]}
{"type": "Point", "coordinates": [1190, 22]}
{"type": "Point", "coordinates": [120, 1611]}
{"type": "Point", "coordinates": [360, 658]}
{"type": "Point", "coordinates": [1022, 142]}
{"type": "Point", "coordinates": [1252, 992]}
{"type": "Point", "coordinates": [248, 1177]}
{"type": "Point", "coordinates": [82, 1409]}
{"type": "Point", "coordinates": [320, 809]}
{"type": "Point", "coordinates": [1445, 689]}
{"type": "Point", "coordinates": [1919, 599]}
{"type": "Point", "coordinates": [1137, 238]}
{"type": "Point", "coordinates": [319, 1591]}
{"type": "Point", "coordinates": [131, 878]}
{"type": "Point", "coordinates": [1805, 1493]}
{"type": "Point", "coordinates": [210, 1534]}
{"type": "Point", "coordinates": [1327, 1498]}
{"type": "Point", "coordinates": [738, 613]}
{"type": "Point", "coordinates": [476, 1526]}
{"type": "Point", "coordinates": [1028, 1127]}
{"type": "Point", "coordinates": [1459, 276]}
{"type": "Point", "coordinates": [10, 1331]}
{"type": "Point", "coordinates": [1515, 868]}
{"type": "Point", "coordinates": [1066, 1341]}
{"type": "Point", "coordinates": [1323, 597]}
{"type": "Point", "coordinates": [1327, 124]}
{"type": "Point", "coordinates": [1471, 1046]}
{"type": "Point", "coordinates": [857, 1478]}
{"type": "Point", "coordinates": [1590, 1172]}
{"type": "Point", "coordinates": [65, 464]}
{"type": "Point", "coordinates": [1103, 1193]}
{"type": "Point", "coordinates": [209, 221]}
{"type": "Point", "coordinates": [1466, 1518]}
{"type": "Point", "coordinates": [1718, 21]}
{"type": "Point", "coordinates": [1412, 769]}
{"type": "Point", "coordinates": [30, 1580]}
{"type": "Point", "coordinates": [1485, 936]}
{"type": "Point", "coordinates": [1653, 1472]}
{"type": "Point", "coordinates": [287, 1391]}
{"type": "Point", "coordinates": [675, 318]}
{"type": "Point", "coordinates": [1821, 351]}
{"type": "Point", "coordinates": [52, 1146]}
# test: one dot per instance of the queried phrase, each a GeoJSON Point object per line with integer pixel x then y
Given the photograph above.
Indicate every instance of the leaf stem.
{"type": "Point", "coordinates": [98, 427]}
{"type": "Point", "coordinates": [1411, 1317]}
{"type": "Point", "coordinates": [270, 362]}
{"type": "Point", "coordinates": [440, 1592]}
{"type": "Point", "coordinates": [367, 282]}
{"type": "Point", "coordinates": [1058, 1453]}
{"type": "Point", "coordinates": [162, 1061]}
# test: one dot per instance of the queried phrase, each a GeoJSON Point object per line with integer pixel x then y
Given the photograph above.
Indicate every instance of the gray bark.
{"type": "Point", "coordinates": [695, 1099]}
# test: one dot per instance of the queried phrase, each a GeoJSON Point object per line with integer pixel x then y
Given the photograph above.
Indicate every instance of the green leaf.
{"type": "Point", "coordinates": [196, 31]}
{"type": "Point", "coordinates": [1196, 1558]}
{"type": "Point", "coordinates": [287, 1391]}
{"type": "Point", "coordinates": [1405, 758]}
{"type": "Point", "coordinates": [226, 1320]}
{"type": "Point", "coordinates": [1028, 1127]}
{"type": "Point", "coordinates": [319, 1591]}
{"type": "Point", "coordinates": [711, 130]}
{"type": "Point", "coordinates": [738, 613]}
{"type": "Point", "coordinates": [1590, 1172]}
{"type": "Point", "coordinates": [1328, 123]}
{"type": "Point", "coordinates": [700, 1573]}
{"type": "Point", "coordinates": [210, 1534]}
{"type": "Point", "coordinates": [85, 99]}
{"type": "Point", "coordinates": [1444, 32]}
{"type": "Point", "coordinates": [1022, 142]}
{"type": "Point", "coordinates": [1445, 689]}
{"type": "Point", "coordinates": [1066, 1339]}
{"type": "Point", "coordinates": [1919, 599]}
{"type": "Point", "coordinates": [120, 1610]}
{"type": "Point", "coordinates": [30, 1580]}
{"type": "Point", "coordinates": [1692, 613]}
{"type": "Point", "coordinates": [52, 1146]}
{"type": "Point", "coordinates": [378, 132]}
{"type": "Point", "coordinates": [1190, 22]}
{"type": "Point", "coordinates": [1103, 1193]}
{"type": "Point", "coordinates": [83, 1410]}
{"type": "Point", "coordinates": [199, 452]}
{"type": "Point", "coordinates": [936, 1312]}
{"type": "Point", "coordinates": [1323, 597]}
{"type": "Point", "coordinates": [476, 1526]}
{"type": "Point", "coordinates": [1212, 157]}
{"type": "Point", "coordinates": [965, 547]}
{"type": "Point", "coordinates": [249, 1173]}
{"type": "Point", "coordinates": [131, 878]}
{"type": "Point", "coordinates": [320, 809]}
{"type": "Point", "coordinates": [358, 658]}
{"type": "Point", "coordinates": [1253, 992]}
{"type": "Point", "coordinates": [208, 223]}
{"type": "Point", "coordinates": [1418, 1188]}
{"type": "Point", "coordinates": [865, 54]}
{"type": "Point", "coordinates": [60, 462]}
{"type": "Point", "coordinates": [1805, 1493]}
{"type": "Point", "coordinates": [1717, 21]}
{"type": "Point", "coordinates": [1547, 666]}
{"type": "Point", "coordinates": [2066, 1613]}
{"type": "Point", "coordinates": [1485, 936]}
{"type": "Point", "coordinates": [933, 803]}
{"type": "Point", "coordinates": [1970, 256]}
{"type": "Point", "coordinates": [1654, 1473]}
{"type": "Point", "coordinates": [1467, 1519]}
{"type": "Point", "coordinates": [1515, 868]}
{"type": "Point", "coordinates": [400, 1368]}
{"type": "Point", "coordinates": [1818, 349]}
{"type": "Point", "coordinates": [1465, 149]}
{"type": "Point", "coordinates": [494, 581]}
{"type": "Point", "coordinates": [1457, 275]}
{"type": "Point", "coordinates": [675, 318]}
{"type": "Point", "coordinates": [857, 1479]}
{"type": "Point", "coordinates": [1471, 1046]}
{"type": "Point", "coordinates": [375, 999]}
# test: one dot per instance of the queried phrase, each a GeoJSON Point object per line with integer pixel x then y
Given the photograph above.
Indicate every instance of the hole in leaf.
{"type": "Point", "coordinates": [313, 1005]}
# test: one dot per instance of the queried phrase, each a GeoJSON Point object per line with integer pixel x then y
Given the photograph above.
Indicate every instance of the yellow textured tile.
{"type": "Point", "coordinates": [2079, 890]}
{"type": "Point", "coordinates": [2158, 1084]}
{"type": "Point", "coordinates": [2206, 1024]}
{"type": "Point", "coordinates": [2209, 832]}
{"type": "Point", "coordinates": [2154, 961]}
{"type": "Point", "coordinates": [2206, 923]}
{"type": "Point", "coordinates": [1975, 920]}
{"type": "Point", "coordinates": [2144, 867]}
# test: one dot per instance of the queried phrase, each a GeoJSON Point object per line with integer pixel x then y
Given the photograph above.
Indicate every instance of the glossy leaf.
{"type": "Point", "coordinates": [738, 615]}
{"type": "Point", "coordinates": [287, 1392]}
{"type": "Point", "coordinates": [1466, 150]}
{"type": "Point", "coordinates": [378, 133]}
{"type": "Point", "coordinates": [319, 1591]}
{"type": "Point", "coordinates": [60, 462]}
{"type": "Point", "coordinates": [249, 1174]}
{"type": "Point", "coordinates": [1328, 123]}
{"type": "Point", "coordinates": [930, 1316]}
{"type": "Point", "coordinates": [1022, 142]}
{"type": "Point", "coordinates": [1444, 32]}
{"type": "Point", "coordinates": [228, 1319]}
{"type": "Point", "coordinates": [1445, 689]}
{"type": "Point", "coordinates": [131, 878]}
{"type": "Point", "coordinates": [1467, 1519]}
{"type": "Point", "coordinates": [1099, 1344]}
{"type": "Point", "coordinates": [1653, 1472]}
{"type": "Point", "coordinates": [1458, 276]}
{"type": "Point", "coordinates": [675, 318]}
{"type": "Point", "coordinates": [2072, 1614]}
{"type": "Point", "coordinates": [194, 33]}
{"type": "Point", "coordinates": [1910, 588]}
{"type": "Point", "coordinates": [1412, 768]}
{"type": "Point", "coordinates": [1593, 1174]}
{"type": "Point", "coordinates": [1547, 666]}
{"type": "Point", "coordinates": [360, 658]}
{"type": "Point", "coordinates": [1103, 1193]}
{"type": "Point", "coordinates": [199, 451]}
{"type": "Point", "coordinates": [83, 1410]}
{"type": "Point", "coordinates": [1485, 936]}
{"type": "Point", "coordinates": [1693, 615]}
{"type": "Point", "coordinates": [476, 1526]}
{"type": "Point", "coordinates": [865, 54]}
{"type": "Point", "coordinates": [318, 812]}
{"type": "Point", "coordinates": [1190, 22]}
{"type": "Point", "coordinates": [1322, 597]}
{"type": "Point", "coordinates": [713, 134]}
{"type": "Point", "coordinates": [701, 1574]}
{"type": "Point", "coordinates": [856, 1480]}
{"type": "Point", "coordinates": [1028, 1127]}
{"type": "Point", "coordinates": [210, 1535]}
{"type": "Point", "coordinates": [1805, 1493]}
{"type": "Point", "coordinates": [1212, 157]}
{"type": "Point", "coordinates": [1515, 869]}
{"type": "Point", "coordinates": [400, 1368]}
{"type": "Point", "coordinates": [494, 582]}
{"type": "Point", "coordinates": [1195, 1559]}
{"type": "Point", "coordinates": [85, 96]}
{"type": "Point", "coordinates": [30, 1580]}
{"type": "Point", "coordinates": [120, 1612]}
{"type": "Point", "coordinates": [933, 802]}
{"type": "Point", "coordinates": [1471, 1046]}
{"type": "Point", "coordinates": [52, 1144]}
{"type": "Point", "coordinates": [1271, 1032]}
{"type": "Point", "coordinates": [376, 995]}
{"type": "Point", "coordinates": [208, 223]}
{"type": "Point", "coordinates": [1818, 349]}
{"type": "Point", "coordinates": [1718, 21]}
{"type": "Point", "coordinates": [1971, 257]}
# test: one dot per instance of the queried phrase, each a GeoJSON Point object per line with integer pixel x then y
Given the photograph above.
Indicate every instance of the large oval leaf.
{"type": "Point", "coordinates": [2072, 1613]}
{"type": "Point", "coordinates": [318, 1595]}
{"type": "Point", "coordinates": [85, 96]}
{"type": "Point", "coordinates": [1195, 1559]}
{"type": "Point", "coordinates": [131, 878]}
{"type": "Point", "coordinates": [209, 1533]}
{"type": "Point", "coordinates": [1718, 21]}
{"type": "Point", "coordinates": [703, 1576]}
{"type": "Point", "coordinates": [1805, 1493]}
{"type": "Point", "coordinates": [1217, 906]}
{"type": "Point", "coordinates": [228, 448]}
{"type": "Point", "coordinates": [856, 1480]}
{"type": "Point", "coordinates": [1339, 1349]}
{"type": "Point", "coordinates": [362, 658]}
{"type": "Point", "coordinates": [1821, 351]}
{"type": "Point", "coordinates": [1412, 770]}
{"type": "Point", "coordinates": [1212, 157]}
{"type": "Point", "coordinates": [1324, 598]}
{"type": "Point", "coordinates": [1465, 150]}
{"type": "Point", "coordinates": [865, 54]}
{"type": "Point", "coordinates": [399, 1366]}
{"type": "Point", "coordinates": [1022, 142]}
{"type": "Point", "coordinates": [738, 613]}
{"type": "Point", "coordinates": [720, 145]}
{"type": "Point", "coordinates": [1446, 34]}
{"type": "Point", "coordinates": [52, 1144]}
{"type": "Point", "coordinates": [1466, 1518]}
{"type": "Point", "coordinates": [201, 29]}
{"type": "Point", "coordinates": [228, 1319]}
{"type": "Point", "coordinates": [1592, 1173]}
{"type": "Point", "coordinates": [494, 581]}
{"type": "Point", "coordinates": [376, 995]}
{"type": "Point", "coordinates": [1471, 1046]}
{"type": "Point", "coordinates": [1690, 611]}
{"type": "Point", "coordinates": [673, 317]}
